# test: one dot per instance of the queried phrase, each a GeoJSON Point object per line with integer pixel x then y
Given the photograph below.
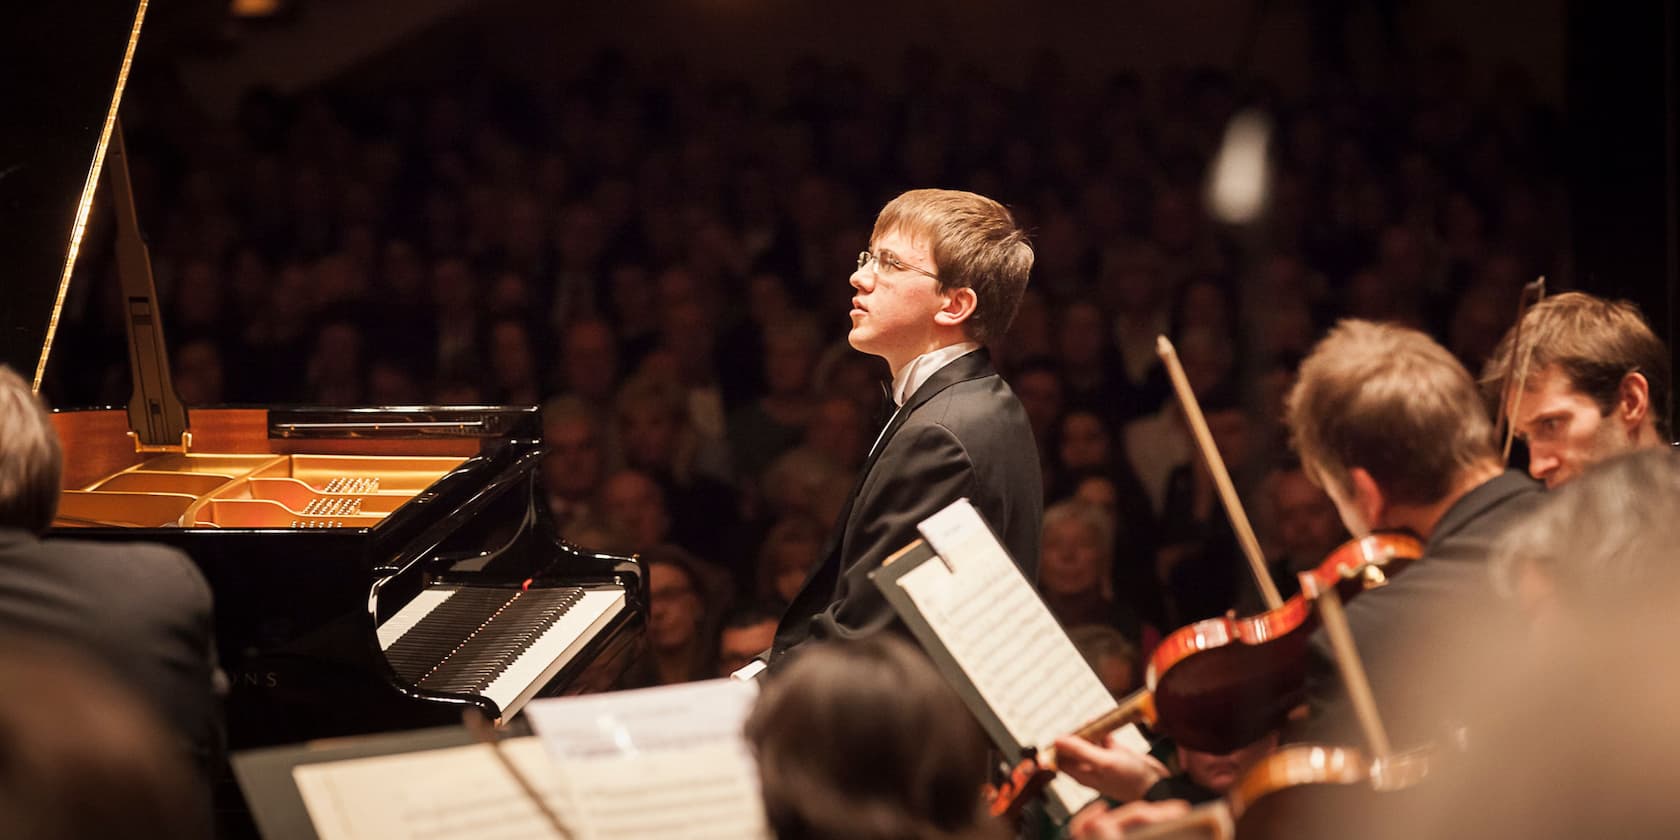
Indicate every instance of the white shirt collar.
{"type": "Point", "coordinates": [918, 370]}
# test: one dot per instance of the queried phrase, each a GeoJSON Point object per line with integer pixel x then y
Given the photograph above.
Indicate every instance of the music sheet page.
{"type": "Point", "coordinates": [1020, 660]}
{"type": "Point", "coordinates": [665, 762]}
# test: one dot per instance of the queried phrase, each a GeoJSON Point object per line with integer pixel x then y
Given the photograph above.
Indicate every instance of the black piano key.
{"type": "Point", "coordinates": [444, 629]}
{"type": "Point", "coordinates": [478, 661]}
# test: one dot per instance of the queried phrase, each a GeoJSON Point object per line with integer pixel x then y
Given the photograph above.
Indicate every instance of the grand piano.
{"type": "Point", "coordinates": [372, 568]}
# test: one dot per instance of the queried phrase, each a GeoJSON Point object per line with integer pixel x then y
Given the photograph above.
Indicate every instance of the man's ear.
{"type": "Point", "coordinates": [959, 307]}
{"type": "Point", "coordinates": [1633, 401]}
{"type": "Point", "coordinates": [1368, 498]}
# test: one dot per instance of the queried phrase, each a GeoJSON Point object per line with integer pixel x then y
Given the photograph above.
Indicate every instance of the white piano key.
{"type": "Point", "coordinates": [558, 645]}
{"type": "Point", "coordinates": [411, 614]}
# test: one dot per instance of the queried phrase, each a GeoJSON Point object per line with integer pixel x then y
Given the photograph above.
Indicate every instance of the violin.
{"type": "Point", "coordinates": [1313, 790]}
{"type": "Point", "coordinates": [1224, 682]}
{"type": "Point", "coordinates": [1302, 790]}
{"type": "Point", "coordinates": [1218, 684]}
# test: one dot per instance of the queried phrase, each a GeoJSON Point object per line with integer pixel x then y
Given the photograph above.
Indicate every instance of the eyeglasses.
{"type": "Point", "coordinates": [890, 261]}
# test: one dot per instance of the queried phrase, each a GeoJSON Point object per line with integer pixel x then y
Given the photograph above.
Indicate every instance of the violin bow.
{"type": "Point", "coordinates": [484, 732]}
{"type": "Point", "coordinates": [1348, 662]}
{"type": "Point", "coordinates": [1221, 477]}
{"type": "Point", "coordinates": [1511, 399]}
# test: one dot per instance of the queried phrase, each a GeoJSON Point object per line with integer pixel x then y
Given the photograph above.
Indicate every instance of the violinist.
{"type": "Point", "coordinates": [1595, 382]}
{"type": "Point", "coordinates": [1204, 776]}
{"type": "Point", "coordinates": [1393, 428]}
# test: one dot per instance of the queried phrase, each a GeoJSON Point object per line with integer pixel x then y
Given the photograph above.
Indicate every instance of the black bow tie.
{"type": "Point", "coordinates": [884, 410]}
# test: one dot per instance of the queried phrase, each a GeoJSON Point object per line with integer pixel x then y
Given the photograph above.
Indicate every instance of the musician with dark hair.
{"type": "Point", "coordinates": [865, 741]}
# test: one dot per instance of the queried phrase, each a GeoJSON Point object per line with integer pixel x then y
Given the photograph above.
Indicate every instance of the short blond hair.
{"type": "Point", "coordinates": [1391, 401]}
{"type": "Point", "coordinates": [976, 245]}
{"type": "Point", "coordinates": [31, 462]}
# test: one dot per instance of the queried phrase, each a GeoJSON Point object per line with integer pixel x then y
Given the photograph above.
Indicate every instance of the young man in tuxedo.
{"type": "Point", "coordinates": [943, 275]}
{"type": "Point", "coordinates": [1595, 383]}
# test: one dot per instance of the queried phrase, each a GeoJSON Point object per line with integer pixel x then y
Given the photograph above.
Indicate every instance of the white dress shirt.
{"type": "Point", "coordinates": [918, 371]}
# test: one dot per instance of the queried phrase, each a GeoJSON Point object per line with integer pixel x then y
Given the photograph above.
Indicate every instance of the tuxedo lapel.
{"type": "Point", "coordinates": [823, 581]}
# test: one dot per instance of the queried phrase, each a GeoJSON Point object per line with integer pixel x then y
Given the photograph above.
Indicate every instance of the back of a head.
{"type": "Point", "coordinates": [865, 741]}
{"type": "Point", "coordinates": [1390, 400]}
{"type": "Point", "coordinates": [976, 245]}
{"type": "Point", "coordinates": [1605, 542]}
{"type": "Point", "coordinates": [30, 459]}
{"type": "Point", "coordinates": [81, 758]}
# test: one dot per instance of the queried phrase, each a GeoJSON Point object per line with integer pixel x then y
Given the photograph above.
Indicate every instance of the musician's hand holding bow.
{"type": "Point", "coordinates": [1100, 822]}
{"type": "Point", "coordinates": [1114, 770]}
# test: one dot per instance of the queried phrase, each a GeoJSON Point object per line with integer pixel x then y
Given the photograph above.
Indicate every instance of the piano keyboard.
{"type": "Point", "coordinates": [503, 644]}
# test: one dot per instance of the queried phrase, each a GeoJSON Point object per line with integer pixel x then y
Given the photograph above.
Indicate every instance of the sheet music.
{"type": "Point", "coordinates": [456, 792]}
{"type": "Point", "coordinates": [628, 722]}
{"type": "Point", "coordinates": [662, 762]}
{"type": "Point", "coordinates": [1006, 641]}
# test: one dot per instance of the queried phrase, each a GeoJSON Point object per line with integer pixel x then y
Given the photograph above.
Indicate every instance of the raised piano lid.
{"type": "Point", "coordinates": [65, 59]}
{"type": "Point", "coordinates": [296, 605]}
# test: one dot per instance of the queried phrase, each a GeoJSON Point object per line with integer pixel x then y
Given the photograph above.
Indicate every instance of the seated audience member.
{"type": "Point", "coordinates": [1075, 569]}
{"type": "Point", "coordinates": [776, 421]}
{"type": "Point", "coordinates": [1597, 383]}
{"type": "Point", "coordinates": [863, 740]}
{"type": "Point", "coordinates": [633, 505]}
{"type": "Point", "coordinates": [838, 431]}
{"type": "Point", "coordinates": [1111, 655]}
{"type": "Point", "coordinates": [683, 600]}
{"type": "Point", "coordinates": [1083, 445]}
{"type": "Point", "coordinates": [511, 355]}
{"type": "Point", "coordinates": [141, 610]}
{"type": "Point", "coordinates": [1200, 561]}
{"type": "Point", "coordinates": [1305, 529]}
{"type": "Point", "coordinates": [199, 373]}
{"type": "Point", "coordinates": [746, 632]}
{"type": "Point", "coordinates": [652, 423]}
{"type": "Point", "coordinates": [588, 363]}
{"type": "Point", "coordinates": [788, 554]}
{"type": "Point", "coordinates": [805, 481]}
{"type": "Point", "coordinates": [1038, 384]}
{"type": "Point", "coordinates": [573, 466]}
{"type": "Point", "coordinates": [82, 757]}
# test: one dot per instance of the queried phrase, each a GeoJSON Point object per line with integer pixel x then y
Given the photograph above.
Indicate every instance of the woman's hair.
{"type": "Point", "coordinates": [864, 741]}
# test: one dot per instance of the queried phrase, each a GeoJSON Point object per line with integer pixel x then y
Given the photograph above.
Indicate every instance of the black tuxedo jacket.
{"type": "Point", "coordinates": [1415, 634]}
{"type": "Point", "coordinates": [961, 434]}
{"type": "Point", "coordinates": [143, 610]}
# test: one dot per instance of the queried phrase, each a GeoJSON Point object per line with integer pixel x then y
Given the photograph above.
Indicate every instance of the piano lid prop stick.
{"type": "Point", "coordinates": [484, 732]}
{"type": "Point", "coordinates": [1221, 477]}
